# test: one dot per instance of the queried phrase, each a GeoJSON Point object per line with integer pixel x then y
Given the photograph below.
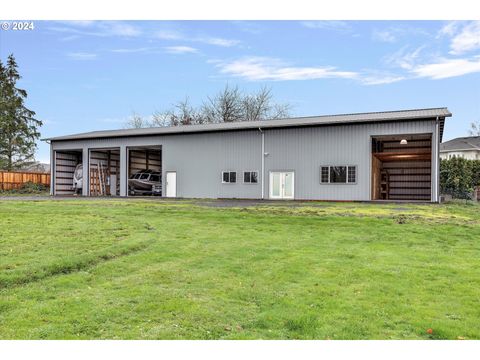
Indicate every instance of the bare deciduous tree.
{"type": "Point", "coordinates": [136, 121]}
{"type": "Point", "coordinates": [184, 114]}
{"type": "Point", "coordinates": [256, 107]}
{"type": "Point", "coordinates": [160, 119]}
{"type": "Point", "coordinates": [279, 111]}
{"type": "Point", "coordinates": [226, 106]}
{"type": "Point", "coordinates": [474, 128]}
{"type": "Point", "coordinates": [229, 105]}
{"type": "Point", "coordinates": [260, 106]}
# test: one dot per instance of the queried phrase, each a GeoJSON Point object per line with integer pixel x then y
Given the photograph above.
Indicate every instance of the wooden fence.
{"type": "Point", "coordinates": [10, 180]}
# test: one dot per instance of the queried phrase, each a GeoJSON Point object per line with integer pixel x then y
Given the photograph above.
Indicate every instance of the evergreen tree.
{"type": "Point", "coordinates": [18, 127]}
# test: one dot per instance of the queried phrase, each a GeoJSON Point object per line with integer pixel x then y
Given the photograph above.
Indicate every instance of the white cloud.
{"type": "Point", "coordinates": [447, 68]}
{"type": "Point", "coordinates": [180, 50]}
{"type": "Point", "coordinates": [467, 39]}
{"type": "Point", "coordinates": [393, 34]}
{"type": "Point", "coordinates": [449, 29]}
{"type": "Point", "coordinates": [217, 41]}
{"type": "Point", "coordinates": [381, 79]}
{"type": "Point", "coordinates": [384, 36]}
{"type": "Point", "coordinates": [120, 29]}
{"type": "Point", "coordinates": [251, 27]}
{"type": "Point", "coordinates": [270, 69]}
{"type": "Point", "coordinates": [98, 28]}
{"type": "Point", "coordinates": [403, 58]}
{"type": "Point", "coordinates": [81, 23]}
{"type": "Point", "coordinates": [132, 50]}
{"type": "Point", "coordinates": [70, 37]}
{"type": "Point", "coordinates": [264, 68]}
{"type": "Point", "coordinates": [421, 64]}
{"type": "Point", "coordinates": [82, 56]}
{"type": "Point", "coordinates": [168, 35]}
{"type": "Point", "coordinates": [327, 25]}
{"type": "Point", "coordinates": [209, 40]}
{"type": "Point", "coordinates": [123, 29]}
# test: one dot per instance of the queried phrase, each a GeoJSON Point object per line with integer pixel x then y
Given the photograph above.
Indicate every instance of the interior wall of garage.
{"type": "Point", "coordinates": [63, 171]}
{"type": "Point", "coordinates": [106, 161]}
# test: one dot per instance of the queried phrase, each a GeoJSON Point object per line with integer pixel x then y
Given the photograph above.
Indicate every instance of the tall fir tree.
{"type": "Point", "coordinates": [18, 127]}
{"type": "Point", "coordinates": [3, 99]}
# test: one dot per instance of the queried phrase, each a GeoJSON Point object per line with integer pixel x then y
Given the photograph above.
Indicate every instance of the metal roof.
{"type": "Point", "coordinates": [462, 143]}
{"type": "Point", "coordinates": [415, 114]}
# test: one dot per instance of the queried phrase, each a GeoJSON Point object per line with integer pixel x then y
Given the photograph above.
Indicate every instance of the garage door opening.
{"type": "Point", "coordinates": [145, 171]}
{"type": "Point", "coordinates": [104, 170]}
{"type": "Point", "coordinates": [402, 168]}
{"type": "Point", "coordinates": [66, 166]}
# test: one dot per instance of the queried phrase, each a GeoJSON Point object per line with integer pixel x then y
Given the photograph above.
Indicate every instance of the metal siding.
{"type": "Point", "coordinates": [123, 171]}
{"type": "Point", "coordinates": [86, 173]}
{"type": "Point", "coordinates": [200, 158]}
{"type": "Point", "coordinates": [304, 150]}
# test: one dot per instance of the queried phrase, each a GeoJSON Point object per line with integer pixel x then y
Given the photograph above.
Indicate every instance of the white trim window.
{"type": "Point", "coordinates": [250, 177]}
{"type": "Point", "coordinates": [343, 174]}
{"type": "Point", "coordinates": [229, 177]}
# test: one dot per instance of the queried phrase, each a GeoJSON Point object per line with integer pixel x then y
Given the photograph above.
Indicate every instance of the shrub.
{"type": "Point", "coordinates": [459, 177]}
{"type": "Point", "coordinates": [32, 188]}
{"type": "Point", "coordinates": [28, 188]}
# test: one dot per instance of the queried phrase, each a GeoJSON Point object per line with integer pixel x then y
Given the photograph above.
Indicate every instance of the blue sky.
{"type": "Point", "coordinates": [91, 75]}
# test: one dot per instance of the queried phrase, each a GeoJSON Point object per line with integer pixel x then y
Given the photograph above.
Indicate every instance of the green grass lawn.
{"type": "Point", "coordinates": [116, 269]}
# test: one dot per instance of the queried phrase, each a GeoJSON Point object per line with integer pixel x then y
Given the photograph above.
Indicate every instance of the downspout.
{"type": "Point", "coordinates": [263, 162]}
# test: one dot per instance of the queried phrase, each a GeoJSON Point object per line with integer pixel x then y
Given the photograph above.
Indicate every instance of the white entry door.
{"type": "Point", "coordinates": [281, 185]}
{"type": "Point", "coordinates": [171, 184]}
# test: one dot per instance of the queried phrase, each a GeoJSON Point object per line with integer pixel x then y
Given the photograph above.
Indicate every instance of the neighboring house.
{"type": "Point", "coordinates": [465, 147]}
{"type": "Point", "coordinates": [353, 157]}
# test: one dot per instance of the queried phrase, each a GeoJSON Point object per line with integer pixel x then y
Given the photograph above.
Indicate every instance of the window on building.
{"type": "Point", "coordinates": [338, 174]}
{"type": "Point", "coordinates": [250, 177]}
{"type": "Point", "coordinates": [324, 178]}
{"type": "Point", "coordinates": [229, 177]}
{"type": "Point", "coordinates": [352, 174]}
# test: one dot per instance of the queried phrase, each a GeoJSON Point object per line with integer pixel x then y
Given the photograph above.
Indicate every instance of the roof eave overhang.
{"type": "Point", "coordinates": [185, 130]}
{"type": "Point", "coordinates": [452, 150]}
